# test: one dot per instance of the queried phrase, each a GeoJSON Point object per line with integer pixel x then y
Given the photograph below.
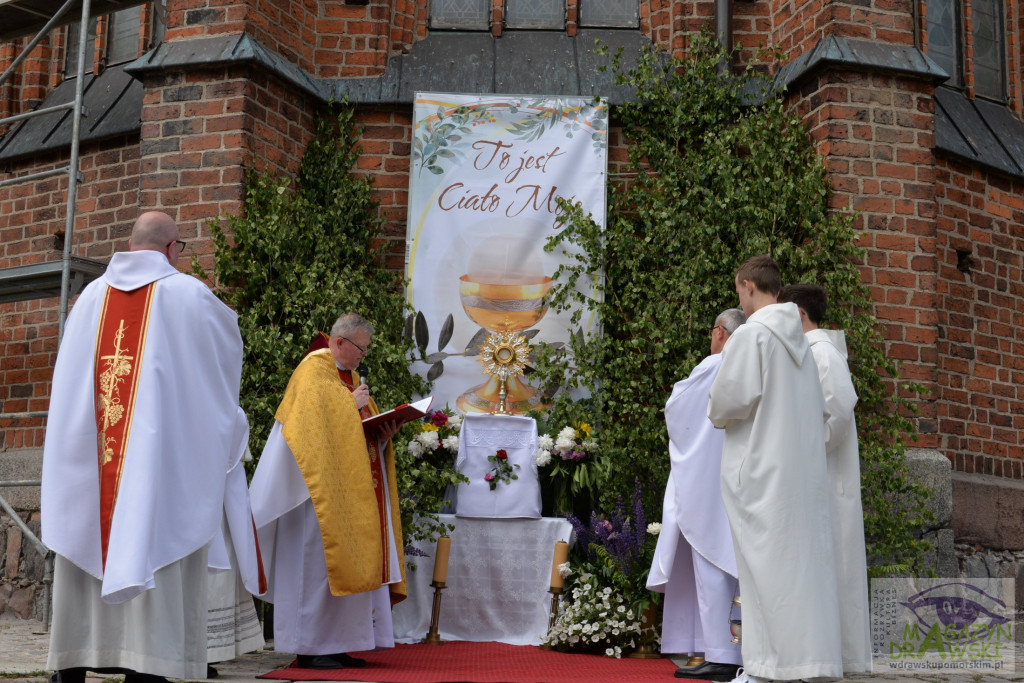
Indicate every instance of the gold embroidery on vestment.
{"type": "Point", "coordinates": [118, 366]}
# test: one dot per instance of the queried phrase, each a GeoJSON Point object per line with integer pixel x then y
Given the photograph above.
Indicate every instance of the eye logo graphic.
{"type": "Point", "coordinates": [963, 613]}
{"type": "Point", "coordinates": [942, 625]}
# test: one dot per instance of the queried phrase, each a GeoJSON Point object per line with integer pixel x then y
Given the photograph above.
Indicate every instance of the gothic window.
{"type": "Point", "coordinates": [944, 43]}
{"type": "Point", "coordinates": [469, 15]}
{"type": "Point", "coordinates": [535, 14]}
{"type": "Point", "coordinates": [609, 13]}
{"type": "Point", "coordinates": [71, 58]}
{"type": "Point", "coordinates": [989, 49]}
{"type": "Point", "coordinates": [123, 39]}
{"type": "Point", "coordinates": [123, 35]}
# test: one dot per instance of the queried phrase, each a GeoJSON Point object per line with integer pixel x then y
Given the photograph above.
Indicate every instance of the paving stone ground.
{"type": "Point", "coordinates": [23, 645]}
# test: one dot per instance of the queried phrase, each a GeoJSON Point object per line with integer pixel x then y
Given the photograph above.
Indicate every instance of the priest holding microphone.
{"type": "Point", "coordinates": [325, 504]}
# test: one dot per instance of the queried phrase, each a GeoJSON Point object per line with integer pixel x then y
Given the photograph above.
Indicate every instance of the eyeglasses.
{"type": "Point", "coordinates": [717, 327]}
{"type": "Point", "coordinates": [180, 243]}
{"type": "Point", "coordinates": [362, 351]}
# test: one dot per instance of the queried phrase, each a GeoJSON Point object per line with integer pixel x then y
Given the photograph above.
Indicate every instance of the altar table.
{"type": "Point", "coordinates": [499, 573]}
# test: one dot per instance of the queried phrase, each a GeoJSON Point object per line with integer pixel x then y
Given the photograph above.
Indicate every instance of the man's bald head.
{"type": "Point", "coordinates": [155, 231]}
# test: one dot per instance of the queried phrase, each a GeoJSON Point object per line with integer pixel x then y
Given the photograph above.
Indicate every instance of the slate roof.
{"type": "Point", "coordinates": [113, 106]}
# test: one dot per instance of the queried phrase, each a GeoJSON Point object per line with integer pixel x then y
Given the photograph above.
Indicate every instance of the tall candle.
{"type": "Point", "coordinates": [561, 557]}
{"type": "Point", "coordinates": [444, 546]}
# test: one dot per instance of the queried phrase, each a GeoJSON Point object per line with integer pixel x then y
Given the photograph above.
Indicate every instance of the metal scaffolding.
{"type": "Point", "coordinates": [30, 282]}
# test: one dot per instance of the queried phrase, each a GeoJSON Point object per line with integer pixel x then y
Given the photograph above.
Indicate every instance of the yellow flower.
{"type": "Point", "coordinates": [427, 427]}
{"type": "Point", "coordinates": [582, 427]}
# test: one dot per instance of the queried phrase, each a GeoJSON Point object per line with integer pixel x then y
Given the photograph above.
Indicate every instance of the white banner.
{"type": "Point", "coordinates": [486, 170]}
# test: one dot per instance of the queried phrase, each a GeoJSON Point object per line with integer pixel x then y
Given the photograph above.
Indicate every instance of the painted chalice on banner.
{"type": "Point", "coordinates": [503, 291]}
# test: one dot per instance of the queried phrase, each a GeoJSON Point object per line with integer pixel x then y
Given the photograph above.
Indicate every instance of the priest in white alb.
{"type": "Point", "coordinates": [325, 500]}
{"type": "Point", "coordinates": [694, 563]}
{"type": "Point", "coordinates": [775, 487]}
{"type": "Point", "coordinates": [843, 457]}
{"type": "Point", "coordinates": [142, 466]}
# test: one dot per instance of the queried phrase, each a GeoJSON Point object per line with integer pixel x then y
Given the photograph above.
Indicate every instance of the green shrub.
{"type": "Point", "coordinates": [719, 170]}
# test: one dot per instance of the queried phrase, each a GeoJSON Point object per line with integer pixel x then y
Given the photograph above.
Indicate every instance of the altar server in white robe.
{"type": "Point", "coordinates": [141, 466]}
{"type": "Point", "coordinates": [843, 457]}
{"type": "Point", "coordinates": [325, 500]}
{"type": "Point", "coordinates": [694, 563]}
{"type": "Point", "coordinates": [775, 486]}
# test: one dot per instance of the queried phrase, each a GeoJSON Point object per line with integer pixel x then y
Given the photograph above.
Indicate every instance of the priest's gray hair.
{"type": "Point", "coordinates": [350, 323]}
{"type": "Point", "coordinates": [730, 319]}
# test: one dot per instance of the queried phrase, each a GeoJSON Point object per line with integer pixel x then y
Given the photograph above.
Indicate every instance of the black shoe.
{"type": "Point", "coordinates": [349, 661]}
{"type": "Point", "coordinates": [135, 677]}
{"type": "Point", "coordinates": [318, 662]}
{"type": "Point", "coordinates": [75, 675]}
{"type": "Point", "coordinates": [709, 671]}
{"type": "Point", "coordinates": [211, 672]}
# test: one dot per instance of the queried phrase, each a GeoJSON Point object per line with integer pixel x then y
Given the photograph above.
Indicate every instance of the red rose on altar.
{"type": "Point", "coordinates": [502, 455]}
{"type": "Point", "coordinates": [439, 418]}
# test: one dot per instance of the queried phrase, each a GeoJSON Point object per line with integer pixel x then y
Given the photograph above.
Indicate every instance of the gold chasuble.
{"type": "Point", "coordinates": [120, 341]}
{"type": "Point", "coordinates": [342, 469]}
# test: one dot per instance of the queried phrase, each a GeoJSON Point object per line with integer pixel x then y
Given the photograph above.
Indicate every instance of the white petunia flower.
{"type": "Point", "coordinates": [654, 528]}
{"type": "Point", "coordinates": [610, 652]}
{"type": "Point", "coordinates": [542, 457]}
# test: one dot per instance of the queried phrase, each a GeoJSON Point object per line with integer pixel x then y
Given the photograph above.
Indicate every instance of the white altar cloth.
{"type": "Point", "coordinates": [481, 436]}
{"type": "Point", "coordinates": [499, 573]}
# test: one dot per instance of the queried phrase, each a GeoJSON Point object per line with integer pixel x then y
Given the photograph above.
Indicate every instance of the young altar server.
{"type": "Point", "coordinates": [775, 487]}
{"type": "Point", "coordinates": [843, 457]}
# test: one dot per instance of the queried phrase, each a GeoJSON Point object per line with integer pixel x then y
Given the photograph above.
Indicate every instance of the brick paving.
{"type": "Point", "coordinates": [23, 646]}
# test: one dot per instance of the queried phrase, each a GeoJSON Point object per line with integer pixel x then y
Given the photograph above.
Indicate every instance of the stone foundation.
{"type": "Point", "coordinates": [21, 565]}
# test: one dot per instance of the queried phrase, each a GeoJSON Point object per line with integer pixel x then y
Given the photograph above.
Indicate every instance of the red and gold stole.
{"type": "Point", "coordinates": [120, 342]}
{"type": "Point", "coordinates": [376, 470]}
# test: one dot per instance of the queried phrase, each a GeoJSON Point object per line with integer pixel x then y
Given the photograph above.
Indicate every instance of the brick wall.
{"type": "Point", "coordinates": [386, 145]}
{"type": "Point", "coordinates": [797, 25]}
{"type": "Point", "coordinates": [980, 288]}
{"type": "Point", "coordinates": [201, 130]}
{"type": "Point", "coordinates": [326, 39]}
{"type": "Point", "coordinates": [26, 88]}
{"type": "Point", "coordinates": [876, 134]}
{"type": "Point", "coordinates": [32, 222]}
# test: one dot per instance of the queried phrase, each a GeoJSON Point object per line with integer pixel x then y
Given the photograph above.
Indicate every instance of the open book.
{"type": "Point", "coordinates": [407, 412]}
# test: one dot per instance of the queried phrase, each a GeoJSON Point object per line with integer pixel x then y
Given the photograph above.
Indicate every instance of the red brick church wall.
{"type": "Point", "coordinates": [202, 126]}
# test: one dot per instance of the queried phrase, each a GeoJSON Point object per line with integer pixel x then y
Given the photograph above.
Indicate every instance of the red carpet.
{"type": "Point", "coordinates": [464, 662]}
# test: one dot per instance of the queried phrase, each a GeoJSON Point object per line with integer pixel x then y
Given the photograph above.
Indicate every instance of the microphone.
{"type": "Point", "coordinates": [364, 374]}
